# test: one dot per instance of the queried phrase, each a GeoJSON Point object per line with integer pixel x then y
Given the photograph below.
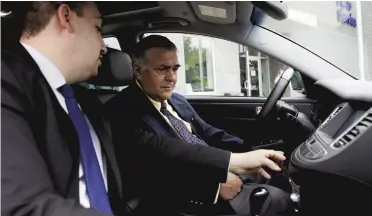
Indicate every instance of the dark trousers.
{"type": "Point", "coordinates": [277, 203]}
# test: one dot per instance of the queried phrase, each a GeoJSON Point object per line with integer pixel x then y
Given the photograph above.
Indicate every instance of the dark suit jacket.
{"type": "Point", "coordinates": [40, 148]}
{"type": "Point", "coordinates": [211, 135]}
{"type": "Point", "coordinates": [137, 105]}
{"type": "Point", "coordinates": [132, 110]}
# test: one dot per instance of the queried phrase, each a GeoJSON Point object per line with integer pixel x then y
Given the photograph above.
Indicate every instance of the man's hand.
{"type": "Point", "coordinates": [254, 161]}
{"type": "Point", "coordinates": [231, 188]}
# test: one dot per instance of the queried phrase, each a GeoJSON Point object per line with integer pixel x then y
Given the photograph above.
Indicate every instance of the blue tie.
{"type": "Point", "coordinates": [180, 127]}
{"type": "Point", "coordinates": [96, 190]}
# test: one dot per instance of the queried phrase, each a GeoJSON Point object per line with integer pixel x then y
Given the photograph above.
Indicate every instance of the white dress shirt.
{"type": "Point", "coordinates": [55, 80]}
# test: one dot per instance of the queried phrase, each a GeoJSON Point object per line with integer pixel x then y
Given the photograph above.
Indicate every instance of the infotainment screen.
{"type": "Point", "coordinates": [342, 117]}
{"type": "Point", "coordinates": [354, 116]}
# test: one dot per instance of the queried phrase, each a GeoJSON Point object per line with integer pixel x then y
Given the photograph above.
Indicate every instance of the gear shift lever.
{"type": "Point", "coordinates": [257, 200]}
{"type": "Point", "coordinates": [259, 195]}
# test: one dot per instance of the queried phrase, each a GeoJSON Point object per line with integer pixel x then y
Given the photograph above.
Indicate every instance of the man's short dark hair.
{"type": "Point", "coordinates": [152, 41]}
{"type": "Point", "coordinates": [39, 13]}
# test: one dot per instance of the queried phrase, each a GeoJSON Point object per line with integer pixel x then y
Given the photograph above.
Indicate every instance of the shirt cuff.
{"type": "Point", "coordinates": [228, 168]}
{"type": "Point", "coordinates": [217, 195]}
{"type": "Point", "coordinates": [219, 186]}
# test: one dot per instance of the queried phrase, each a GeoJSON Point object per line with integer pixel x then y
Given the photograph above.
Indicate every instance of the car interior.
{"type": "Point", "coordinates": [326, 135]}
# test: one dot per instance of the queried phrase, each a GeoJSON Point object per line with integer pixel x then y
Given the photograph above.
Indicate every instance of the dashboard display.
{"type": "Point", "coordinates": [342, 117]}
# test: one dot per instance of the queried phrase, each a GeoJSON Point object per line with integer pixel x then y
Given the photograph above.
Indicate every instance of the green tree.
{"type": "Point", "coordinates": [192, 63]}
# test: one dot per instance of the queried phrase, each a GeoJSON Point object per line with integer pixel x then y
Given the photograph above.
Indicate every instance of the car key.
{"type": "Point", "coordinates": [295, 195]}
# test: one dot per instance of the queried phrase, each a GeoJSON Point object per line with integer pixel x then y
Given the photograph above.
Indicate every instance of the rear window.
{"type": "Point", "coordinates": [112, 42]}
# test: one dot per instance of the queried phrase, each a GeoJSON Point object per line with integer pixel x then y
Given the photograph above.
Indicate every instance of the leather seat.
{"type": "Point", "coordinates": [115, 72]}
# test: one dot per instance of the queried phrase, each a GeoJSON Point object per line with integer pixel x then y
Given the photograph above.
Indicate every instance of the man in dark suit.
{"type": "Point", "coordinates": [56, 159]}
{"type": "Point", "coordinates": [57, 156]}
{"type": "Point", "coordinates": [150, 104]}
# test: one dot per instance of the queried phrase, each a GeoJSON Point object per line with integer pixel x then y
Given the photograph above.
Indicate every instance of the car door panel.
{"type": "Point", "coordinates": [237, 115]}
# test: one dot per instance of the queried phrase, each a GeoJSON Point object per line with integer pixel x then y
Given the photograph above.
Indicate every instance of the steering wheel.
{"type": "Point", "coordinates": [276, 93]}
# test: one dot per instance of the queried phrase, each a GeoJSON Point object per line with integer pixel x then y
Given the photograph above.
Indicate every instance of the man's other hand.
{"type": "Point", "coordinates": [255, 161]}
{"type": "Point", "coordinates": [232, 187]}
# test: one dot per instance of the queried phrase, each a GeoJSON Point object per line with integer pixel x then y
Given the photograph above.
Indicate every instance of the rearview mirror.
{"type": "Point", "coordinates": [276, 9]}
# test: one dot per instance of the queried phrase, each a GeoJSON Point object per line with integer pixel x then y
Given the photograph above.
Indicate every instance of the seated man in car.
{"type": "Point", "coordinates": [57, 156]}
{"type": "Point", "coordinates": [150, 104]}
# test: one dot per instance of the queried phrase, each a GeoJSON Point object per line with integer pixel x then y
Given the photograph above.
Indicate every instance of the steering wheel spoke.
{"type": "Point", "coordinates": [276, 94]}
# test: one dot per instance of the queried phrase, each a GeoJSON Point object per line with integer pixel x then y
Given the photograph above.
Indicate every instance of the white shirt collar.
{"type": "Point", "coordinates": [157, 104]}
{"type": "Point", "coordinates": [51, 73]}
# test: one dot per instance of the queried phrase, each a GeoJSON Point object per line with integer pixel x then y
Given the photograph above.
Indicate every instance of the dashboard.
{"type": "Point", "coordinates": [342, 144]}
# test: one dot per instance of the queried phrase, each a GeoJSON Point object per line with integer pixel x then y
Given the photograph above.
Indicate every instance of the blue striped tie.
{"type": "Point", "coordinates": [96, 190]}
{"type": "Point", "coordinates": [180, 127]}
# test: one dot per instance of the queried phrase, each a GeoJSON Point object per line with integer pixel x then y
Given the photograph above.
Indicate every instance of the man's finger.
{"type": "Point", "coordinates": [277, 155]}
{"type": "Point", "coordinates": [262, 172]}
{"type": "Point", "coordinates": [240, 181]}
{"type": "Point", "coordinates": [270, 164]}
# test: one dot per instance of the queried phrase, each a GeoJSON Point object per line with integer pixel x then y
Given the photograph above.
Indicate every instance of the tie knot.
{"type": "Point", "coordinates": [66, 91]}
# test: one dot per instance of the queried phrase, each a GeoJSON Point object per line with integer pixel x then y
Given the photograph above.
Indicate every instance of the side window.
{"type": "Point", "coordinates": [213, 66]}
{"type": "Point", "coordinates": [112, 42]}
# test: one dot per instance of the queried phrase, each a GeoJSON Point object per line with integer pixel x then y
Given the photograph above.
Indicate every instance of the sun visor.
{"type": "Point", "coordinates": [218, 12]}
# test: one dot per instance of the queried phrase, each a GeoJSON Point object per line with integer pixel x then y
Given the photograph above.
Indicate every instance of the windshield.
{"type": "Point", "coordinates": [340, 32]}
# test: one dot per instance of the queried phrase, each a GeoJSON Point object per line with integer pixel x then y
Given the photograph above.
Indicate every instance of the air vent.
{"type": "Point", "coordinates": [333, 114]}
{"type": "Point", "coordinates": [355, 131]}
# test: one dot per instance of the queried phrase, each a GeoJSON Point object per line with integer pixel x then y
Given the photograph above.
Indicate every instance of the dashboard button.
{"type": "Point", "coordinates": [317, 148]}
{"type": "Point", "coordinates": [322, 153]}
{"type": "Point", "coordinates": [312, 141]}
{"type": "Point", "coordinates": [304, 148]}
{"type": "Point", "coordinates": [304, 152]}
{"type": "Point", "coordinates": [338, 144]}
{"type": "Point", "coordinates": [310, 155]}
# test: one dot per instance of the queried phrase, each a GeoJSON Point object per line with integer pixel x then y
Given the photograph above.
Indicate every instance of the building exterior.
{"type": "Point", "coordinates": [339, 31]}
{"type": "Point", "coordinates": [366, 17]}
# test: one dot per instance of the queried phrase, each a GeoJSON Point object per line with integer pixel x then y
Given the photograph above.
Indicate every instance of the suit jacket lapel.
{"type": "Point", "coordinates": [94, 112]}
{"type": "Point", "coordinates": [180, 109]}
{"type": "Point", "coordinates": [184, 112]}
{"type": "Point", "coordinates": [150, 114]}
{"type": "Point", "coordinates": [52, 122]}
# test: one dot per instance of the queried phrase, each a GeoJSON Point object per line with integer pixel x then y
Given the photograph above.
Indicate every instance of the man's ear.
{"type": "Point", "coordinates": [137, 71]}
{"type": "Point", "coordinates": [65, 14]}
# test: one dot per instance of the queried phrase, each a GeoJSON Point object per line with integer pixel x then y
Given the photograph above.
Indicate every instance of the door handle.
{"type": "Point", "coordinates": [246, 84]}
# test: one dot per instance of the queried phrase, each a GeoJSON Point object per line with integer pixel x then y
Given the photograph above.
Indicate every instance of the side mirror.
{"type": "Point", "coordinates": [296, 82]}
{"type": "Point", "coordinates": [296, 85]}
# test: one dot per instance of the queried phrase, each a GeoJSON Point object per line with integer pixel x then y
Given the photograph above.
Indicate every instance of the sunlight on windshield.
{"type": "Point", "coordinates": [338, 31]}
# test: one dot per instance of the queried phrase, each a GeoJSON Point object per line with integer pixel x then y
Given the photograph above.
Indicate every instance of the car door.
{"type": "Point", "coordinates": [237, 116]}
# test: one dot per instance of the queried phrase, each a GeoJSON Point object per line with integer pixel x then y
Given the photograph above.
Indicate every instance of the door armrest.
{"type": "Point", "coordinates": [272, 145]}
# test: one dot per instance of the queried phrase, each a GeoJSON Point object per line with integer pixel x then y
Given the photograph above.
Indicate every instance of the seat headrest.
{"type": "Point", "coordinates": [116, 69]}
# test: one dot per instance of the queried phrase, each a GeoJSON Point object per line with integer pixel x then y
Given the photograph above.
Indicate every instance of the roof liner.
{"type": "Point", "coordinates": [236, 32]}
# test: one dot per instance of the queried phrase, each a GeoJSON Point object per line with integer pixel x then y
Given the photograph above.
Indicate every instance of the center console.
{"type": "Point", "coordinates": [341, 144]}
{"type": "Point", "coordinates": [333, 167]}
